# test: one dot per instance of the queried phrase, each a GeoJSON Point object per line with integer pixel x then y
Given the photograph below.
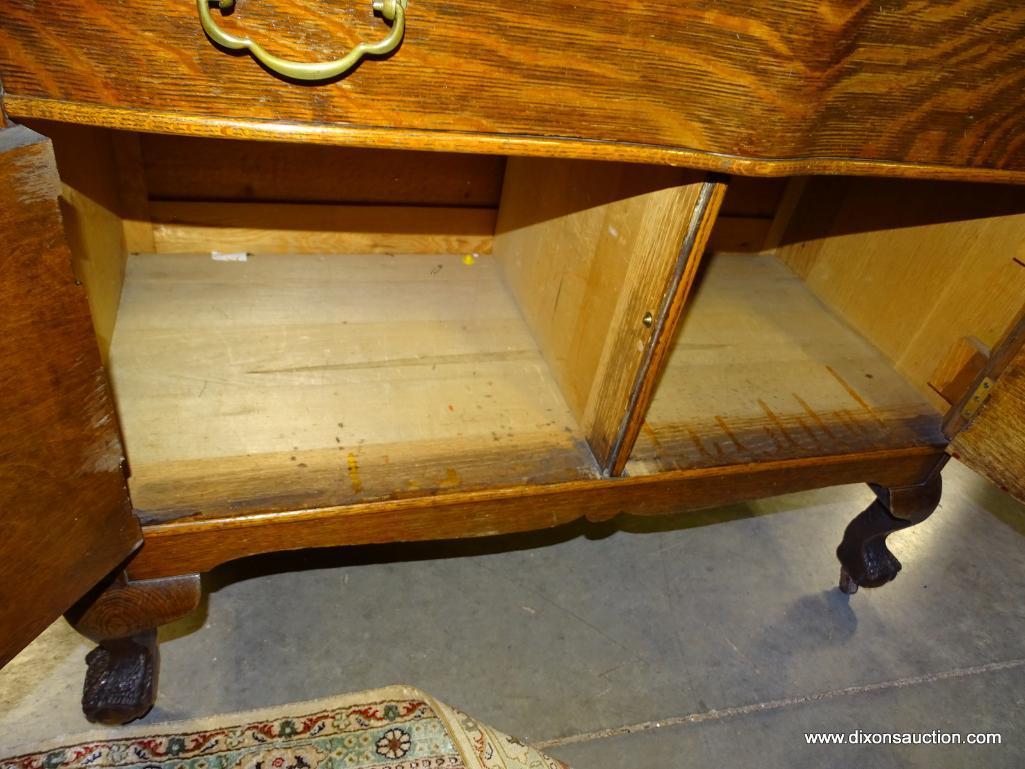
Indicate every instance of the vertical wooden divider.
{"type": "Point", "coordinates": [600, 257]}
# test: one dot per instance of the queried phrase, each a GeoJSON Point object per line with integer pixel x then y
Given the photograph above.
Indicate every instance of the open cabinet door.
{"type": "Point", "coordinates": [988, 427]}
{"type": "Point", "coordinates": [601, 257]}
{"type": "Point", "coordinates": [66, 519]}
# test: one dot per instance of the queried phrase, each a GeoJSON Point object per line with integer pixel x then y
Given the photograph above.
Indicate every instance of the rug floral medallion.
{"type": "Point", "coordinates": [394, 728]}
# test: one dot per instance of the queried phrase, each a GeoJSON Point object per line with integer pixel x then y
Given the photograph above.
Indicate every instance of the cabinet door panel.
{"type": "Point", "coordinates": [64, 508]}
{"type": "Point", "coordinates": [600, 257]}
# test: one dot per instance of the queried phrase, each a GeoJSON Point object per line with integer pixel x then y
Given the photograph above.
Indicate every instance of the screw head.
{"type": "Point", "coordinates": [649, 320]}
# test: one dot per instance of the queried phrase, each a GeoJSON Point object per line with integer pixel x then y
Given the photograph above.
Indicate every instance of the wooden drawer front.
{"type": "Point", "coordinates": [913, 83]}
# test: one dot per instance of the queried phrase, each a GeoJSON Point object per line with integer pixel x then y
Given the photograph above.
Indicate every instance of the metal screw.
{"type": "Point", "coordinates": [649, 320]}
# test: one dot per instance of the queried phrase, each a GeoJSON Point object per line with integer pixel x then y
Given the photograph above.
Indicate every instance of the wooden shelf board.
{"type": "Point", "coordinates": [291, 381]}
{"type": "Point", "coordinates": [763, 371]}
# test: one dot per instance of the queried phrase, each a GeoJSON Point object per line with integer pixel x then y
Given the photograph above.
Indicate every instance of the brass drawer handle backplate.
{"type": "Point", "coordinates": [392, 10]}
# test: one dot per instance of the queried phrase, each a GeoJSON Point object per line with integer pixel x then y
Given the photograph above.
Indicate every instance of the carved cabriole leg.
{"type": "Point", "coordinates": [865, 560]}
{"type": "Point", "coordinates": [122, 617]}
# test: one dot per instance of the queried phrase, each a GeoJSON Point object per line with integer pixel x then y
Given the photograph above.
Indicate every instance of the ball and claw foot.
{"type": "Point", "coordinates": [122, 615]}
{"type": "Point", "coordinates": [121, 679]}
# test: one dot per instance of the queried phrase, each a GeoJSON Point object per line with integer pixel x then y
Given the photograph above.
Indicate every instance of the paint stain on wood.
{"type": "Point", "coordinates": [729, 433]}
{"type": "Point", "coordinates": [700, 446]}
{"type": "Point", "coordinates": [815, 417]}
{"type": "Point", "coordinates": [808, 430]}
{"type": "Point", "coordinates": [856, 396]}
{"type": "Point", "coordinates": [357, 482]}
{"type": "Point", "coordinates": [452, 479]}
{"type": "Point", "coordinates": [776, 421]}
{"type": "Point", "coordinates": [652, 436]}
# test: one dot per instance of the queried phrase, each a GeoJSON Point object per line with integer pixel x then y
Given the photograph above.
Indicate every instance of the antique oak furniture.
{"type": "Point", "coordinates": [290, 275]}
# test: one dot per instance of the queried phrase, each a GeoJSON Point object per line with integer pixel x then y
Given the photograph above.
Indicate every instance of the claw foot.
{"type": "Point", "coordinates": [121, 680]}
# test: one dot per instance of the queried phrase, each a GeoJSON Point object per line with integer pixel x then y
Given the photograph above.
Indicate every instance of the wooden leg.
{"type": "Point", "coordinates": [865, 560]}
{"type": "Point", "coordinates": [122, 617]}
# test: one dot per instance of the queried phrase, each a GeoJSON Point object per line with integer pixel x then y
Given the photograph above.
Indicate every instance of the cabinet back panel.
{"type": "Point", "coordinates": [180, 168]}
{"type": "Point", "coordinates": [223, 195]}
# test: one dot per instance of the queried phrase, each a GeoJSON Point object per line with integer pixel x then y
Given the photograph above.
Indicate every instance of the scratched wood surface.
{"type": "Point", "coordinates": [295, 381]}
{"type": "Point", "coordinates": [769, 87]}
{"type": "Point", "coordinates": [763, 371]}
{"type": "Point", "coordinates": [65, 512]}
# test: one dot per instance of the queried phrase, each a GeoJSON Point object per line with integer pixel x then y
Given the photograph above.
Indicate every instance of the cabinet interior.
{"type": "Point", "coordinates": [835, 316]}
{"type": "Point", "coordinates": [293, 326]}
{"type": "Point", "coordinates": [288, 327]}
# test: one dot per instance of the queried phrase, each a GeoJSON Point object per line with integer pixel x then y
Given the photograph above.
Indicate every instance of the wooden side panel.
{"type": "Point", "coordinates": [93, 198]}
{"type": "Point", "coordinates": [590, 250]}
{"type": "Point", "coordinates": [817, 86]}
{"type": "Point", "coordinates": [994, 442]}
{"type": "Point", "coordinates": [914, 266]}
{"type": "Point", "coordinates": [65, 512]}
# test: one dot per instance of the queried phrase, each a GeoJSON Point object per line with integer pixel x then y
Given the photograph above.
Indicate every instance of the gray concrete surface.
{"type": "Point", "coordinates": [716, 638]}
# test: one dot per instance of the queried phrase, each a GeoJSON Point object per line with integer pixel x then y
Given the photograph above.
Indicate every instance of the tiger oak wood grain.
{"type": "Point", "coordinates": [65, 512]}
{"type": "Point", "coordinates": [991, 443]}
{"type": "Point", "coordinates": [755, 88]}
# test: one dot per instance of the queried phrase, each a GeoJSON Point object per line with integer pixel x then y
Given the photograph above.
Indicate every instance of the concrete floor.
{"type": "Point", "coordinates": [663, 643]}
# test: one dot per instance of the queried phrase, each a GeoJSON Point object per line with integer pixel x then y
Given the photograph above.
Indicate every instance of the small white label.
{"type": "Point", "coordinates": [238, 256]}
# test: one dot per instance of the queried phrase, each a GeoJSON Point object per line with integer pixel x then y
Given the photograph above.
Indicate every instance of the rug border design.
{"type": "Point", "coordinates": [475, 743]}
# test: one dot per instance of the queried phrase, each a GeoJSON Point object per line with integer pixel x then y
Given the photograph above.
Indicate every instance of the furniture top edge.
{"type": "Point", "coordinates": [155, 121]}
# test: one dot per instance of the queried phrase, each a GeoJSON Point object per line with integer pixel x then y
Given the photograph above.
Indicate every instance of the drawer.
{"type": "Point", "coordinates": [756, 88]}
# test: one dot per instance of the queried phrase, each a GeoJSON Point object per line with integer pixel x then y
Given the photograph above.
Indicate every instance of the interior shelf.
{"type": "Point", "coordinates": [291, 381]}
{"type": "Point", "coordinates": [761, 370]}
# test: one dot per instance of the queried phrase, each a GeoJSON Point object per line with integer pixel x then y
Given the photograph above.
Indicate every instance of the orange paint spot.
{"type": "Point", "coordinates": [452, 479]}
{"type": "Point", "coordinates": [451, 407]}
{"type": "Point", "coordinates": [357, 482]}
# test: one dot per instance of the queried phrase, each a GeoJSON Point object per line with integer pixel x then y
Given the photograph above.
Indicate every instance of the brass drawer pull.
{"type": "Point", "coordinates": [392, 10]}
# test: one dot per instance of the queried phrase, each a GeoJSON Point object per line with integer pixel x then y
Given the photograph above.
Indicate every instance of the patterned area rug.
{"type": "Point", "coordinates": [394, 728]}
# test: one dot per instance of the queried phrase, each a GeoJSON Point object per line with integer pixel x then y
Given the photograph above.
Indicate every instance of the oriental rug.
{"type": "Point", "coordinates": [398, 727]}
